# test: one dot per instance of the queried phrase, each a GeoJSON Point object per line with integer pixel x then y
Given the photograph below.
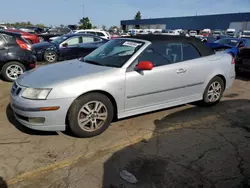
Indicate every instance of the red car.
{"type": "Point", "coordinates": [31, 38]}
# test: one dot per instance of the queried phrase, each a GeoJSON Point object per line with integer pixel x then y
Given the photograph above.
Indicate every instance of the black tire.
{"type": "Point", "coordinates": [77, 106]}
{"type": "Point", "coordinates": [48, 56]}
{"type": "Point", "coordinates": [6, 66]}
{"type": "Point", "coordinates": [206, 101]}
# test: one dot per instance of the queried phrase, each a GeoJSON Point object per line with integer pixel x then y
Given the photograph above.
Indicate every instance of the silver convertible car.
{"type": "Point", "coordinates": [124, 77]}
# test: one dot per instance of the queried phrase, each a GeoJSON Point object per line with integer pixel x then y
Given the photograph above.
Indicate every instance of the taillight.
{"type": "Point", "coordinates": [233, 60]}
{"type": "Point", "coordinates": [23, 45]}
{"type": "Point", "coordinates": [33, 65]}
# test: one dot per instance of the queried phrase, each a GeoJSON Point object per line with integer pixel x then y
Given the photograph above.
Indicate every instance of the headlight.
{"type": "Point", "coordinates": [39, 94]}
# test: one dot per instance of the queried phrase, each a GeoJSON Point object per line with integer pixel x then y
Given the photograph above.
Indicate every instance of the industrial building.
{"type": "Point", "coordinates": [238, 21]}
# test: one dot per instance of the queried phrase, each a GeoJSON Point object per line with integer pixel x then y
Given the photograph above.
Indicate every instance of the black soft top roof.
{"type": "Point", "coordinates": [203, 49]}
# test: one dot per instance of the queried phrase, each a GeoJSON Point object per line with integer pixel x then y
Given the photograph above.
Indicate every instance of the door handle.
{"type": "Point", "coordinates": [180, 71]}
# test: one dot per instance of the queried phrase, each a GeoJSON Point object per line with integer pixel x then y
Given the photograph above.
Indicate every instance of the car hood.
{"type": "Point", "coordinates": [53, 74]}
{"type": "Point", "coordinates": [42, 45]}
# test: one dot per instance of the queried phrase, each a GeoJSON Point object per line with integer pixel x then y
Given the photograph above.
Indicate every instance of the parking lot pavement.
{"type": "Point", "coordinates": [189, 146]}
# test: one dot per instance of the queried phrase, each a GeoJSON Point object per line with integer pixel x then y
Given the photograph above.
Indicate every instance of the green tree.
{"type": "Point", "coordinates": [138, 15]}
{"type": "Point", "coordinates": [40, 25]}
{"type": "Point", "coordinates": [104, 27]}
{"type": "Point", "coordinates": [84, 23]}
{"type": "Point", "coordinates": [94, 27]}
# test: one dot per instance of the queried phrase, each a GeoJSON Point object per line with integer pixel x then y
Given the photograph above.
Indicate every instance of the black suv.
{"type": "Point", "coordinates": [15, 56]}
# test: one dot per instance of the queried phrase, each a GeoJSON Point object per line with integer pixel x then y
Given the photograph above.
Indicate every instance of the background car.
{"type": "Point", "coordinates": [31, 38]}
{"type": "Point", "coordinates": [53, 32]}
{"type": "Point", "coordinates": [31, 29]}
{"type": "Point", "coordinates": [242, 60]}
{"type": "Point", "coordinates": [244, 34]}
{"type": "Point", "coordinates": [67, 47]}
{"type": "Point", "coordinates": [101, 33]}
{"type": "Point", "coordinates": [15, 56]}
{"type": "Point", "coordinates": [192, 33]}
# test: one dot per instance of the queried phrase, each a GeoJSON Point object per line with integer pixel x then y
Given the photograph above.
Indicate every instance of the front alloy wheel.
{"type": "Point", "coordinates": [90, 115]}
{"type": "Point", "coordinates": [50, 57]}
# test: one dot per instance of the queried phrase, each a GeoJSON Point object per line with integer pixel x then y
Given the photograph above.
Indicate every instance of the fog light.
{"type": "Point", "coordinates": [39, 120]}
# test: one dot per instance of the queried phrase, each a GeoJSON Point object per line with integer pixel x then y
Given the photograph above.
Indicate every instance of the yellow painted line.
{"type": "Point", "coordinates": [65, 163]}
{"type": "Point", "coordinates": [68, 162]}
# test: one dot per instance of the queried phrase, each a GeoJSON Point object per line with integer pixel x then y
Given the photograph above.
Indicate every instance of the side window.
{"type": "Point", "coordinates": [97, 39]}
{"type": "Point", "coordinates": [189, 52]}
{"type": "Point", "coordinates": [87, 39]}
{"type": "Point", "coordinates": [73, 41]}
{"type": "Point", "coordinates": [91, 32]}
{"type": "Point", "coordinates": [173, 52]}
{"type": "Point", "coordinates": [100, 34]}
{"type": "Point", "coordinates": [162, 54]}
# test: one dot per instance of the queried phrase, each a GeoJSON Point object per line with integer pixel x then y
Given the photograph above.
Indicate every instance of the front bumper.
{"type": "Point", "coordinates": [25, 110]}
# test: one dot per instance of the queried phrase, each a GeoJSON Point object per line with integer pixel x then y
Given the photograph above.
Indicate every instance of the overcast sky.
{"type": "Point", "coordinates": [110, 12]}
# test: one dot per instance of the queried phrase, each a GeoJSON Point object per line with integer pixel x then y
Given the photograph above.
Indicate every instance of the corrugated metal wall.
{"type": "Point", "coordinates": [219, 21]}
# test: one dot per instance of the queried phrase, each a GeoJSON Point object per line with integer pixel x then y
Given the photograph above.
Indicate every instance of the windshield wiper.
{"type": "Point", "coordinates": [97, 63]}
{"type": "Point", "coordinates": [92, 62]}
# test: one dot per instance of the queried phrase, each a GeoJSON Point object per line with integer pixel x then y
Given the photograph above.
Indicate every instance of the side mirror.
{"type": "Point", "coordinates": [64, 44]}
{"type": "Point", "coordinates": [144, 65]}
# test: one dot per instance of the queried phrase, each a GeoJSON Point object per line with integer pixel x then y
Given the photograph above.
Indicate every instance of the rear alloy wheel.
{"type": "Point", "coordinates": [12, 70]}
{"type": "Point", "coordinates": [90, 115]}
{"type": "Point", "coordinates": [50, 56]}
{"type": "Point", "coordinates": [213, 92]}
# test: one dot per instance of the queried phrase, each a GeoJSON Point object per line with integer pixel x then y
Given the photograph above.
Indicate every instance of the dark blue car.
{"type": "Point", "coordinates": [231, 45]}
{"type": "Point", "coordinates": [66, 47]}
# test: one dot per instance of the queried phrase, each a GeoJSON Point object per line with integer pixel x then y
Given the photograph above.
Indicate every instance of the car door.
{"type": "Point", "coordinates": [3, 50]}
{"type": "Point", "coordinates": [194, 70]}
{"type": "Point", "coordinates": [159, 86]}
{"type": "Point", "coordinates": [89, 43]}
{"type": "Point", "coordinates": [69, 48]}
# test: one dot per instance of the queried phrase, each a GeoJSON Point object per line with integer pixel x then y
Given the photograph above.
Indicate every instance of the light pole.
{"type": "Point", "coordinates": [83, 10]}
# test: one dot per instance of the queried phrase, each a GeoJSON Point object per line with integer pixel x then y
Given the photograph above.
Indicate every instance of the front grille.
{"type": "Point", "coordinates": [15, 90]}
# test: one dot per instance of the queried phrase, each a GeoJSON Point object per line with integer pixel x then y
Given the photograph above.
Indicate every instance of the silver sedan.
{"type": "Point", "coordinates": [124, 77]}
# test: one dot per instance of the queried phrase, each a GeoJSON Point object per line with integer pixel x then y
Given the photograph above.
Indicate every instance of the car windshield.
{"type": "Point", "coordinates": [114, 53]}
{"type": "Point", "coordinates": [246, 32]}
{"type": "Point", "coordinates": [59, 39]}
{"type": "Point", "coordinates": [231, 42]}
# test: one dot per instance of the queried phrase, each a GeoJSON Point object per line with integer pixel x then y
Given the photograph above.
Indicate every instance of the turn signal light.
{"type": "Point", "coordinates": [50, 108]}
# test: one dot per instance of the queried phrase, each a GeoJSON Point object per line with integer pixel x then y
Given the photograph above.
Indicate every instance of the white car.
{"type": "Point", "coordinates": [192, 33]}
{"type": "Point", "coordinates": [245, 34]}
{"type": "Point", "coordinates": [100, 33]}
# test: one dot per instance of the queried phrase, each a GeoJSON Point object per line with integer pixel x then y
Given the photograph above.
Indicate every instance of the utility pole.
{"type": "Point", "coordinates": [83, 10]}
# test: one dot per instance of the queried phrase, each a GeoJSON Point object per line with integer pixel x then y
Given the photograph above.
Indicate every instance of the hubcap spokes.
{"type": "Point", "coordinates": [92, 116]}
{"type": "Point", "coordinates": [14, 71]}
{"type": "Point", "coordinates": [51, 57]}
{"type": "Point", "coordinates": [214, 92]}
